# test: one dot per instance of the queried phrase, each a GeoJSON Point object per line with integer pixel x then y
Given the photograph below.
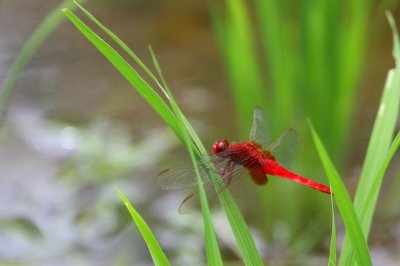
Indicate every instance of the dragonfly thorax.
{"type": "Point", "coordinates": [220, 145]}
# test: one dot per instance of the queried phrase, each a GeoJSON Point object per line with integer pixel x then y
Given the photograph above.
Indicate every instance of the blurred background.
{"type": "Point", "coordinates": [75, 129]}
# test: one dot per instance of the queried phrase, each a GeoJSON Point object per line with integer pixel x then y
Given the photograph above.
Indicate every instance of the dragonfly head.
{"type": "Point", "coordinates": [220, 146]}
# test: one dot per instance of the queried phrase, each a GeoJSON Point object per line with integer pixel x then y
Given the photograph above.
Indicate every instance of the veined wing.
{"type": "Point", "coordinates": [237, 181]}
{"type": "Point", "coordinates": [285, 147]}
{"type": "Point", "coordinates": [184, 175]}
{"type": "Point", "coordinates": [259, 131]}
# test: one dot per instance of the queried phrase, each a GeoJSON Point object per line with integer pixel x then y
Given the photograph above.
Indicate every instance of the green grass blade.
{"type": "Point", "coordinates": [212, 250]}
{"type": "Point", "coordinates": [127, 72]}
{"type": "Point", "coordinates": [238, 224]}
{"type": "Point", "coordinates": [332, 250]}
{"type": "Point", "coordinates": [371, 200]}
{"type": "Point", "coordinates": [240, 230]}
{"type": "Point", "coordinates": [371, 179]}
{"type": "Point", "coordinates": [369, 207]}
{"type": "Point", "coordinates": [344, 203]}
{"type": "Point", "coordinates": [383, 129]}
{"type": "Point", "coordinates": [119, 42]}
{"type": "Point", "coordinates": [51, 22]}
{"type": "Point", "coordinates": [392, 196]}
{"type": "Point", "coordinates": [155, 250]}
{"type": "Point", "coordinates": [165, 89]}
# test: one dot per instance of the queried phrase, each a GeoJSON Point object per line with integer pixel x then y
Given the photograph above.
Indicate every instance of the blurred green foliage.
{"type": "Point", "coordinates": [297, 60]}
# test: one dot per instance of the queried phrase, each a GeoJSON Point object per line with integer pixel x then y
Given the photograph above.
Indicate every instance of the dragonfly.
{"type": "Point", "coordinates": [231, 161]}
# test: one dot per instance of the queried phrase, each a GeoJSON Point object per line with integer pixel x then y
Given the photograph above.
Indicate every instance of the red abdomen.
{"type": "Point", "coordinates": [273, 168]}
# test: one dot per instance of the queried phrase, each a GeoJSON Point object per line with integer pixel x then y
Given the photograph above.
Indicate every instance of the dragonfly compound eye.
{"type": "Point", "coordinates": [220, 145]}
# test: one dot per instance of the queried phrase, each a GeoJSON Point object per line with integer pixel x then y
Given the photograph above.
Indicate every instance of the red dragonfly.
{"type": "Point", "coordinates": [231, 161]}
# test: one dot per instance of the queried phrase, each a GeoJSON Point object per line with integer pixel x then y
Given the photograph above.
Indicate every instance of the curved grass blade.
{"type": "Point", "coordinates": [332, 250]}
{"type": "Point", "coordinates": [51, 22]}
{"type": "Point", "coordinates": [157, 254]}
{"type": "Point", "coordinates": [128, 73]}
{"type": "Point", "coordinates": [345, 206]}
{"type": "Point", "coordinates": [123, 45]}
{"type": "Point", "coordinates": [213, 254]}
{"type": "Point", "coordinates": [381, 137]}
{"type": "Point", "coordinates": [370, 179]}
{"type": "Point", "coordinates": [371, 199]}
{"type": "Point", "coordinates": [143, 88]}
{"type": "Point", "coordinates": [212, 250]}
{"type": "Point", "coordinates": [239, 226]}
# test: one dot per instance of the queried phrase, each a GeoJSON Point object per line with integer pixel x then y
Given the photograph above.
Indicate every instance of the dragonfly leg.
{"type": "Point", "coordinates": [227, 172]}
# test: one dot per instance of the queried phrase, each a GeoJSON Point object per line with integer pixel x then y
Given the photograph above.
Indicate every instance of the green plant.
{"type": "Point", "coordinates": [307, 64]}
{"type": "Point", "coordinates": [357, 217]}
{"type": "Point", "coordinates": [173, 117]}
{"type": "Point", "coordinates": [302, 59]}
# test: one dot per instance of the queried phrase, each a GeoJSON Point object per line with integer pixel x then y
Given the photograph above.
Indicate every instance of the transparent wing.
{"type": "Point", "coordinates": [191, 203]}
{"type": "Point", "coordinates": [184, 174]}
{"type": "Point", "coordinates": [259, 131]}
{"type": "Point", "coordinates": [285, 147]}
{"type": "Point", "coordinates": [232, 175]}
{"type": "Point", "coordinates": [181, 176]}
{"type": "Point", "coordinates": [239, 185]}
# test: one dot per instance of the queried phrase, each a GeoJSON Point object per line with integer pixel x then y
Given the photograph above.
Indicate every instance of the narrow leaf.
{"type": "Point", "coordinates": [385, 122]}
{"type": "Point", "coordinates": [212, 250]}
{"type": "Point", "coordinates": [156, 252]}
{"type": "Point", "coordinates": [345, 206]}
{"type": "Point", "coordinates": [238, 224]}
{"type": "Point", "coordinates": [332, 250]}
{"type": "Point", "coordinates": [127, 72]}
